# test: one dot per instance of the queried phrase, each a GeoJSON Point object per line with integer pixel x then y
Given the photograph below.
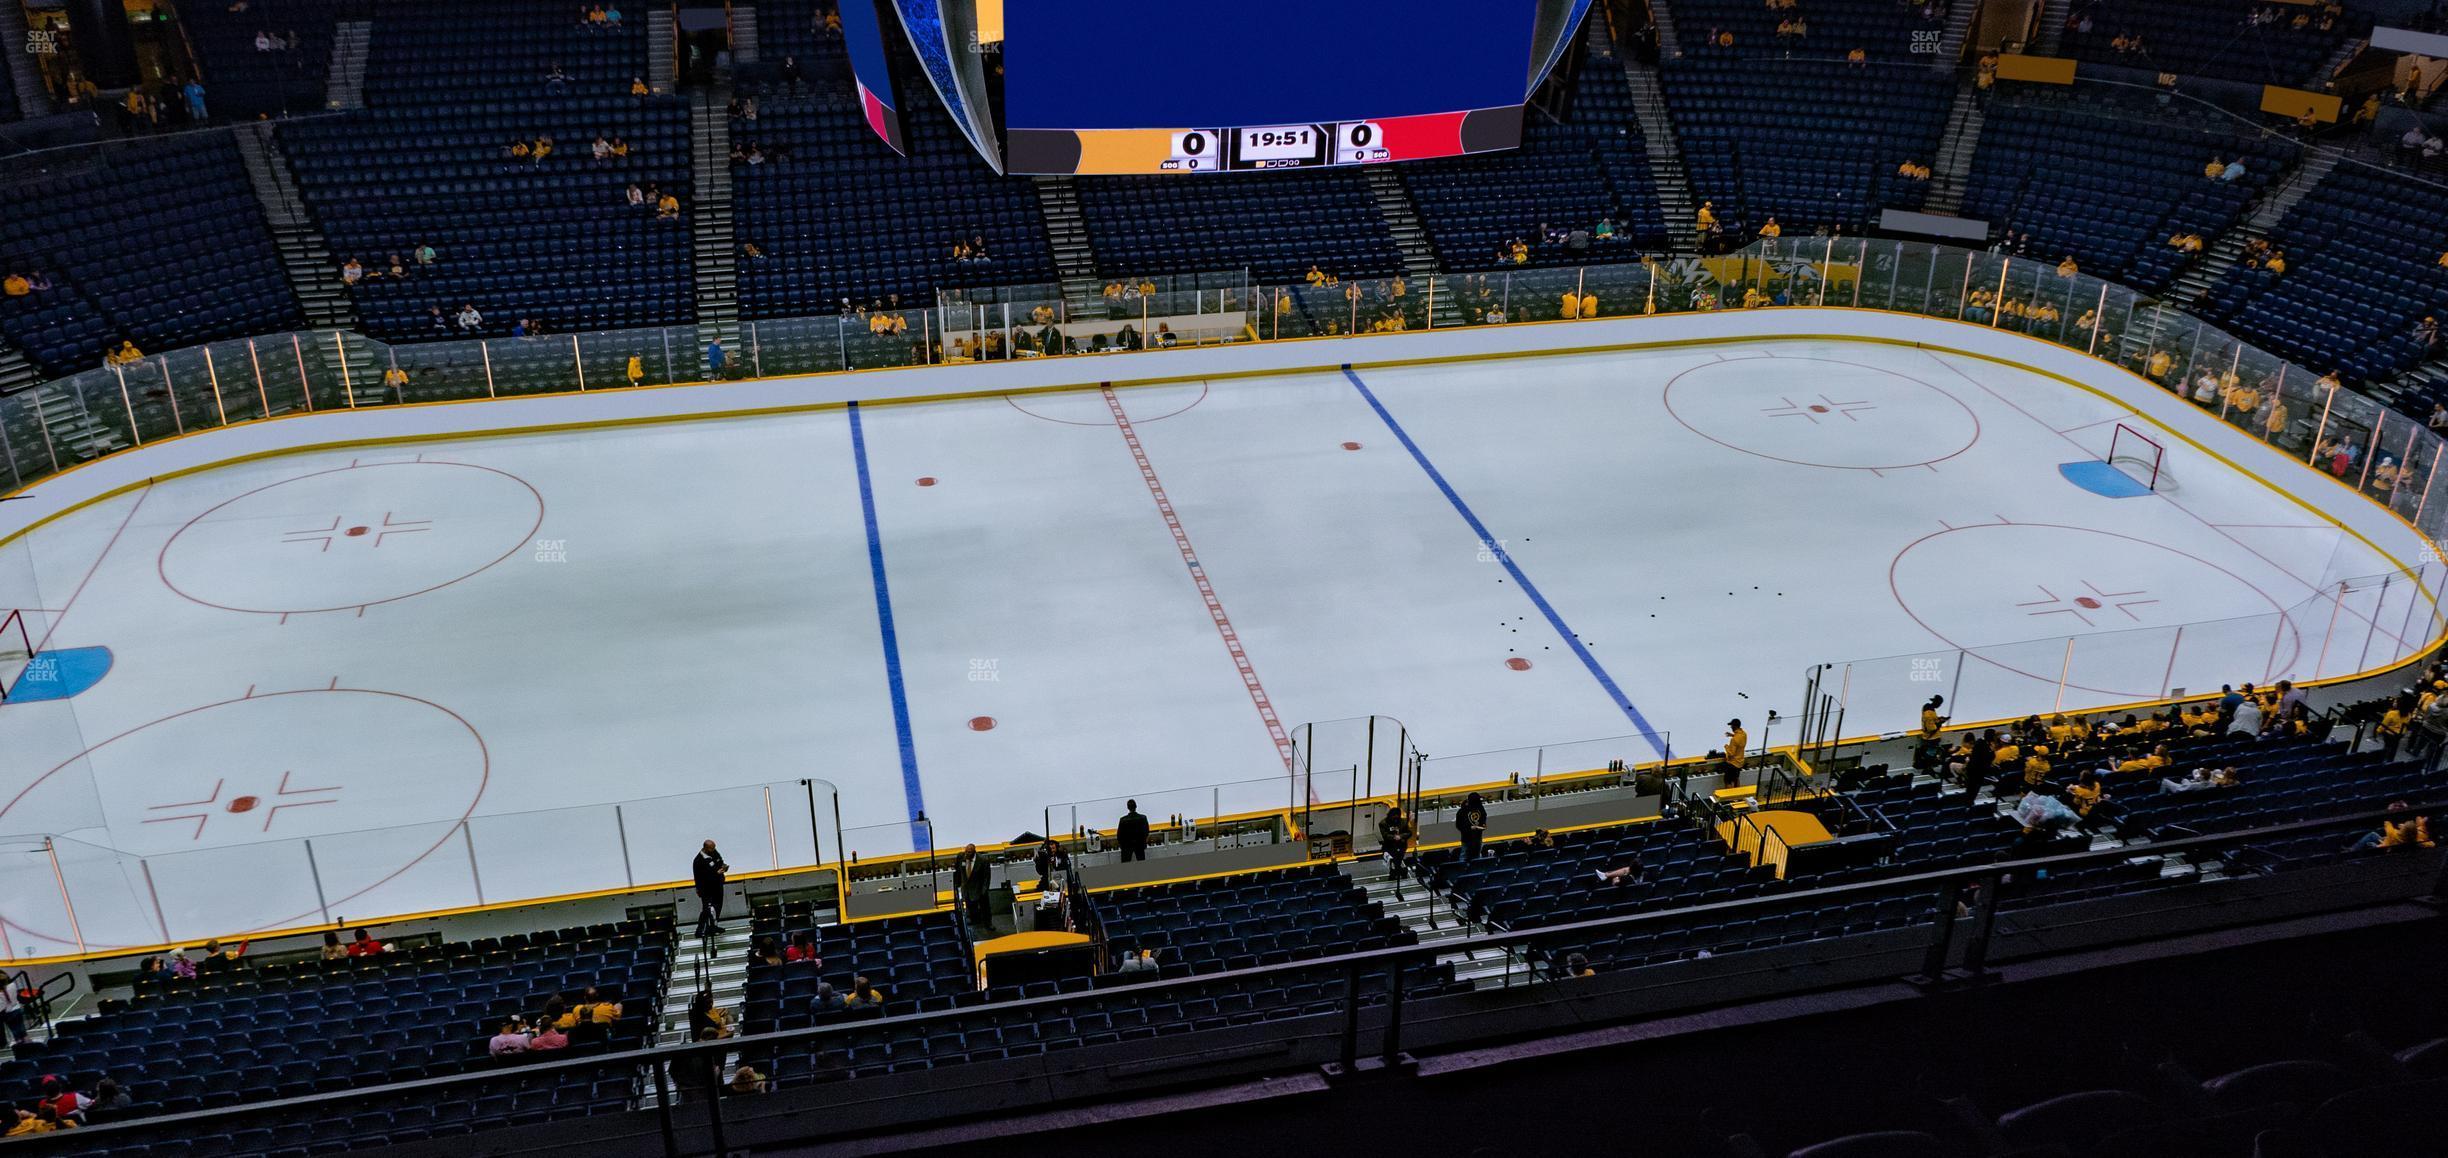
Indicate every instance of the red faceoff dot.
{"type": "Point", "coordinates": [1818, 409]}
{"type": "Point", "coordinates": [1517, 663]}
{"type": "Point", "coordinates": [2086, 603]}
{"type": "Point", "coordinates": [928, 481]}
{"type": "Point", "coordinates": [242, 804]}
{"type": "Point", "coordinates": [1351, 446]}
{"type": "Point", "coordinates": [981, 723]}
{"type": "Point", "coordinates": [353, 532]}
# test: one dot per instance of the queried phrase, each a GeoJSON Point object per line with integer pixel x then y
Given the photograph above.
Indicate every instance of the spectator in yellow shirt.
{"type": "Point", "coordinates": [1735, 742]}
{"type": "Point", "coordinates": [2067, 268]}
{"type": "Point", "coordinates": [1770, 229]}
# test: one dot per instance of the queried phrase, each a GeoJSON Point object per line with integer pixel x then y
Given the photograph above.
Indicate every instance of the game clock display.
{"type": "Point", "coordinates": [1258, 148]}
{"type": "Point", "coordinates": [1277, 147]}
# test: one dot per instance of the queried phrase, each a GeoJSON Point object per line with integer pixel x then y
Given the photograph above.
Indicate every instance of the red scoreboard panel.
{"type": "Point", "coordinates": [1250, 148]}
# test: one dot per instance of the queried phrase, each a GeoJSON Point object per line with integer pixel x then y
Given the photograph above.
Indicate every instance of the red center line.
{"type": "Point", "coordinates": [1198, 575]}
{"type": "Point", "coordinates": [44, 643]}
{"type": "Point", "coordinates": [2323, 592]}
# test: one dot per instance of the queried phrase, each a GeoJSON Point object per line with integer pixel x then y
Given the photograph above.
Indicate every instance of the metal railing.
{"type": "Point", "coordinates": [1937, 950]}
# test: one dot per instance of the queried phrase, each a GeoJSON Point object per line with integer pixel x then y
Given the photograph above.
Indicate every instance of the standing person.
{"type": "Point", "coordinates": [1131, 832]}
{"type": "Point", "coordinates": [1052, 861]}
{"type": "Point", "coordinates": [1470, 821]}
{"type": "Point", "coordinates": [12, 1013]}
{"type": "Point", "coordinates": [2434, 731]}
{"type": "Point", "coordinates": [708, 869]}
{"type": "Point", "coordinates": [1931, 722]}
{"type": "Point", "coordinates": [1393, 841]}
{"type": "Point", "coordinates": [972, 875]}
{"type": "Point", "coordinates": [1736, 740]}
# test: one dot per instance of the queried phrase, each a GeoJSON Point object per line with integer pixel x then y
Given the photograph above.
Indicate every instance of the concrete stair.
{"type": "Point", "coordinates": [723, 966]}
{"type": "Point", "coordinates": [344, 85]}
{"type": "Point", "coordinates": [1674, 189]}
{"type": "Point", "coordinates": [1067, 234]}
{"type": "Point", "coordinates": [2051, 36]}
{"type": "Point", "coordinates": [714, 243]}
{"type": "Point", "coordinates": [1432, 919]}
{"type": "Point", "coordinates": [2347, 50]}
{"type": "Point", "coordinates": [1418, 252]}
{"type": "Point", "coordinates": [314, 273]}
{"type": "Point", "coordinates": [1668, 47]}
{"type": "Point", "coordinates": [1951, 170]}
{"type": "Point", "coordinates": [662, 51]}
{"type": "Point", "coordinates": [74, 433]}
{"type": "Point", "coordinates": [743, 34]}
{"type": "Point", "coordinates": [16, 373]}
{"type": "Point", "coordinates": [1958, 30]}
{"type": "Point", "coordinates": [24, 79]}
{"type": "Point", "coordinates": [2223, 253]}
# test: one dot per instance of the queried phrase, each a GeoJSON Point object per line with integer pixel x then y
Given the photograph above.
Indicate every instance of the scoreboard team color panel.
{"type": "Point", "coordinates": [1112, 86]}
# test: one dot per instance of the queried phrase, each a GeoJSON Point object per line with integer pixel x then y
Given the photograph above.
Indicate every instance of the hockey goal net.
{"type": "Point", "coordinates": [2140, 457]}
{"type": "Point", "coordinates": [16, 650]}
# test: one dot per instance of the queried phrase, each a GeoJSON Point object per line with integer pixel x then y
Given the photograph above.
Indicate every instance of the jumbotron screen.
{"type": "Point", "coordinates": [1124, 86]}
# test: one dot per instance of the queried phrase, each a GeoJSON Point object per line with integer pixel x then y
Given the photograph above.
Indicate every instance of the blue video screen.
{"type": "Point", "coordinates": [1129, 64]}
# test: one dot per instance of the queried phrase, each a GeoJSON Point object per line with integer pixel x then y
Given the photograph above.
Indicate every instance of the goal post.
{"type": "Point", "coordinates": [2139, 457]}
{"type": "Point", "coordinates": [16, 650]}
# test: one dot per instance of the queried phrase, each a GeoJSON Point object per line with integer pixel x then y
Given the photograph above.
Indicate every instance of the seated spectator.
{"type": "Point", "coordinates": [16, 285]}
{"type": "Point", "coordinates": [637, 86]}
{"type": "Point", "coordinates": [863, 995]}
{"type": "Point", "coordinates": [620, 147]}
{"type": "Point", "coordinates": [351, 272]}
{"type": "Point", "coordinates": [667, 208]}
{"type": "Point", "coordinates": [705, 1019]}
{"type": "Point", "coordinates": [556, 82]}
{"type": "Point", "coordinates": [1138, 961]}
{"type": "Point", "coordinates": [746, 1080]}
{"type": "Point", "coordinates": [425, 255]}
{"type": "Point", "coordinates": [218, 960]}
{"type": "Point", "coordinates": [470, 318]}
{"type": "Point", "coordinates": [1576, 965]}
{"type": "Point", "coordinates": [1542, 839]}
{"type": "Point", "coordinates": [398, 268]}
{"type": "Point", "coordinates": [511, 1041]}
{"type": "Point", "coordinates": [803, 949]}
{"type": "Point", "coordinates": [333, 950]}
{"type": "Point", "coordinates": [2067, 268]}
{"type": "Point", "coordinates": [612, 15]}
{"type": "Point", "coordinates": [591, 1017]}
{"type": "Point", "coordinates": [2402, 830]}
{"type": "Point", "coordinates": [65, 1104]}
{"type": "Point", "coordinates": [602, 148]}
{"type": "Point", "coordinates": [108, 1103]}
{"type": "Point", "coordinates": [364, 945]}
{"type": "Point", "coordinates": [546, 1038]}
{"type": "Point", "coordinates": [1624, 875]}
{"type": "Point", "coordinates": [543, 148]}
{"type": "Point", "coordinates": [36, 1121]}
{"type": "Point", "coordinates": [766, 951]}
{"type": "Point", "coordinates": [2233, 172]}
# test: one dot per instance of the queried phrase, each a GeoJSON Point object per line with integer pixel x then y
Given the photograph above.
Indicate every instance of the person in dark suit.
{"type": "Point", "coordinates": [972, 876]}
{"type": "Point", "coordinates": [708, 870]}
{"type": "Point", "coordinates": [1470, 821]}
{"type": "Point", "coordinates": [1131, 832]}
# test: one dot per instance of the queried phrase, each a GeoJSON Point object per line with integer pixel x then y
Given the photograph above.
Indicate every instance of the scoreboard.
{"type": "Point", "coordinates": [1249, 148]}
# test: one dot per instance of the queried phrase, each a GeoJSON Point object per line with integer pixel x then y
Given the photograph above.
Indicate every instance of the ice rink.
{"type": "Point", "coordinates": [444, 664]}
